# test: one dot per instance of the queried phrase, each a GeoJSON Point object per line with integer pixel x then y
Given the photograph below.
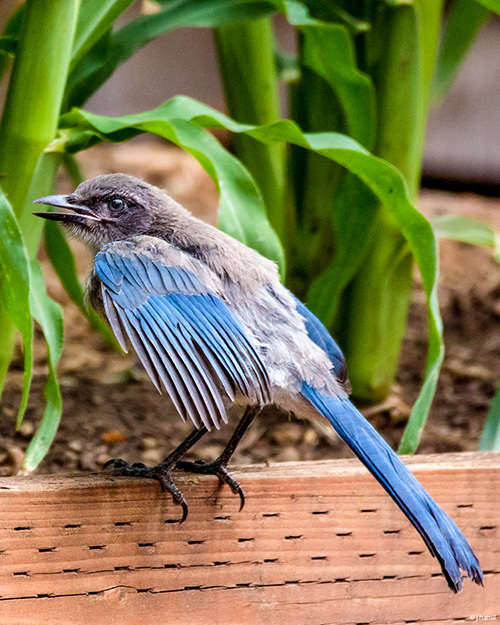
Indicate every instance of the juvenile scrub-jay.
{"type": "Point", "coordinates": [212, 324]}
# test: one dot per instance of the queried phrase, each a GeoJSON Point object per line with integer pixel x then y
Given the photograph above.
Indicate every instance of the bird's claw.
{"type": "Point", "coordinates": [120, 467]}
{"type": "Point", "coordinates": [216, 468]}
{"type": "Point", "coordinates": [161, 472]}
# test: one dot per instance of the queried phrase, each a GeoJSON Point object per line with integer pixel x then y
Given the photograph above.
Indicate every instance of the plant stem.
{"type": "Point", "coordinates": [36, 87]}
{"type": "Point", "coordinates": [377, 300]}
{"type": "Point", "coordinates": [30, 117]}
{"type": "Point", "coordinates": [248, 69]}
{"type": "Point", "coordinates": [403, 84]}
{"type": "Point", "coordinates": [379, 296]}
{"type": "Point", "coordinates": [42, 183]}
{"type": "Point", "coordinates": [315, 180]}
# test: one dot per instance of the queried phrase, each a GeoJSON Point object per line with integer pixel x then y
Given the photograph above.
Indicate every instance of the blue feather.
{"type": "Point", "coordinates": [185, 336]}
{"type": "Point", "coordinates": [320, 335]}
{"type": "Point", "coordinates": [441, 535]}
{"type": "Point", "coordinates": [219, 327]}
{"type": "Point", "coordinates": [107, 272]}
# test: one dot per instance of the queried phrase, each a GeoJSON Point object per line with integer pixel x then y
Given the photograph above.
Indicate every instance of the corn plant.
{"type": "Point", "coordinates": [372, 74]}
{"type": "Point", "coordinates": [288, 194]}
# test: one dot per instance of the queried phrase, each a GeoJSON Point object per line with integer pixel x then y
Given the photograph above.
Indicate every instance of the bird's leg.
{"type": "Point", "coordinates": [163, 471]}
{"type": "Point", "coordinates": [219, 466]}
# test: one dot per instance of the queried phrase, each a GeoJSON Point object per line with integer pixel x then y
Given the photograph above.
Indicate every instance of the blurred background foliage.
{"type": "Point", "coordinates": [328, 191]}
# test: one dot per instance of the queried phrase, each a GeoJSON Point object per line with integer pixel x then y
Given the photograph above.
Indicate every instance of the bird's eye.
{"type": "Point", "coordinates": [116, 204]}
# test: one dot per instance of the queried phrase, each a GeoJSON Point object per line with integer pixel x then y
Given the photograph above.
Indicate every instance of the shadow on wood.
{"type": "Point", "coordinates": [317, 542]}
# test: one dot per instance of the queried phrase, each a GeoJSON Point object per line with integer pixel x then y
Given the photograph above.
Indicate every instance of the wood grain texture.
{"type": "Point", "coordinates": [317, 543]}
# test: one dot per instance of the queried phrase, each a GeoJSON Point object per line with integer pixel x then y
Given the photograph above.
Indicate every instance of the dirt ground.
{"type": "Point", "coordinates": [112, 410]}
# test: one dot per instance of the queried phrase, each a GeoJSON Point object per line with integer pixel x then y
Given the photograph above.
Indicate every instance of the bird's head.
{"type": "Point", "coordinates": [110, 208]}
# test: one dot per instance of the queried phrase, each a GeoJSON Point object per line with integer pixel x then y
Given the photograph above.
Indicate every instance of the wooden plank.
{"type": "Point", "coordinates": [317, 542]}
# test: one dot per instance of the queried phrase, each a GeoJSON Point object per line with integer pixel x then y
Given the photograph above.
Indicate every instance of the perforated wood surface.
{"type": "Point", "coordinates": [316, 543]}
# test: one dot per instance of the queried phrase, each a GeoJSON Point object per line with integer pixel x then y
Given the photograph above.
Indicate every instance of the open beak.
{"type": "Point", "coordinates": [78, 214]}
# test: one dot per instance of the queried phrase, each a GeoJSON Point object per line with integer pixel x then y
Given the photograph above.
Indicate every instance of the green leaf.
{"type": "Point", "coordinates": [49, 315]}
{"type": "Point", "coordinates": [356, 225]}
{"type": "Point", "coordinates": [329, 51]}
{"type": "Point", "coordinates": [94, 19]}
{"type": "Point", "coordinates": [15, 290]}
{"type": "Point", "coordinates": [384, 180]}
{"type": "Point", "coordinates": [10, 35]}
{"type": "Point", "coordinates": [83, 79]}
{"type": "Point", "coordinates": [91, 73]}
{"type": "Point", "coordinates": [8, 45]}
{"type": "Point", "coordinates": [63, 261]}
{"type": "Point", "coordinates": [325, 10]}
{"type": "Point", "coordinates": [467, 230]}
{"type": "Point", "coordinates": [461, 27]}
{"type": "Point", "coordinates": [493, 5]}
{"type": "Point", "coordinates": [247, 66]}
{"type": "Point", "coordinates": [241, 212]}
{"type": "Point", "coordinates": [490, 438]}
{"type": "Point", "coordinates": [72, 168]}
{"type": "Point", "coordinates": [338, 96]}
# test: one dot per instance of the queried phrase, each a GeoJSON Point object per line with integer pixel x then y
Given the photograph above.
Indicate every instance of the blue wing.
{"type": "Point", "coordinates": [320, 335]}
{"type": "Point", "coordinates": [185, 336]}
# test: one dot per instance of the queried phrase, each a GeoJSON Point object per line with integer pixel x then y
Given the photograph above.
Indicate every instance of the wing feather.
{"type": "Point", "coordinates": [191, 382]}
{"type": "Point", "coordinates": [206, 397]}
{"type": "Point", "coordinates": [174, 389]}
{"type": "Point", "coordinates": [114, 322]}
{"type": "Point", "coordinates": [225, 351]}
{"type": "Point", "coordinates": [185, 335]}
{"type": "Point", "coordinates": [197, 367]}
{"type": "Point", "coordinates": [167, 366]}
{"type": "Point", "coordinates": [142, 351]}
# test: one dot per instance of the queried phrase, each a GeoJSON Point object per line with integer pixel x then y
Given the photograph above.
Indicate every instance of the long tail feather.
{"type": "Point", "coordinates": [442, 537]}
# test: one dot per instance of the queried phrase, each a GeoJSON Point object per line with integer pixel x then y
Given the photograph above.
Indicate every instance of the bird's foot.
{"type": "Point", "coordinates": [161, 472]}
{"type": "Point", "coordinates": [218, 468]}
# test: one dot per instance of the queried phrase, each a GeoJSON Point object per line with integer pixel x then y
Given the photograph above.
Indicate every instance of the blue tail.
{"type": "Point", "coordinates": [442, 537]}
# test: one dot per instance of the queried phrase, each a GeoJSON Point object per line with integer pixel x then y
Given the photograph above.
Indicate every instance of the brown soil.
{"type": "Point", "coordinates": [112, 410]}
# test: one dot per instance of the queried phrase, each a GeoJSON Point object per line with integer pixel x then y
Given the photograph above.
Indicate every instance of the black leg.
{"type": "Point", "coordinates": [219, 467]}
{"type": "Point", "coordinates": [163, 471]}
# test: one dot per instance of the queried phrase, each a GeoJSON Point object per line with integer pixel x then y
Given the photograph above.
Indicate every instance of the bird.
{"type": "Point", "coordinates": [214, 326]}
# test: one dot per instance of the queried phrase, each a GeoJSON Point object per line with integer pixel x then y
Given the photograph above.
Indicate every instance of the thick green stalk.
{"type": "Point", "coordinates": [42, 183]}
{"type": "Point", "coordinates": [377, 302]}
{"type": "Point", "coordinates": [247, 64]}
{"type": "Point", "coordinates": [314, 179]}
{"type": "Point", "coordinates": [31, 112]}
{"type": "Point", "coordinates": [34, 96]}
{"type": "Point", "coordinates": [404, 79]}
